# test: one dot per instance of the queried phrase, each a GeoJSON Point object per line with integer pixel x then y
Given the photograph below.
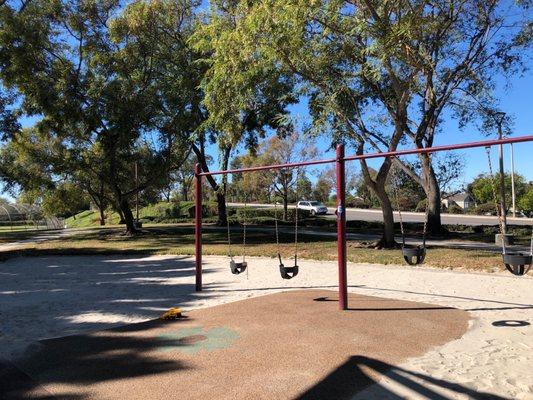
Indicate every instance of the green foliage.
{"type": "Point", "coordinates": [525, 203]}
{"type": "Point", "coordinates": [482, 188]}
{"type": "Point", "coordinates": [265, 215]}
{"type": "Point", "coordinates": [110, 94]}
{"type": "Point", "coordinates": [158, 213]}
{"type": "Point", "coordinates": [421, 206]}
{"type": "Point", "coordinates": [65, 200]}
{"type": "Point", "coordinates": [90, 218]}
{"type": "Point", "coordinates": [321, 190]}
{"type": "Point", "coordinates": [355, 202]}
{"type": "Point", "coordinates": [454, 209]}
{"type": "Point", "coordinates": [482, 209]}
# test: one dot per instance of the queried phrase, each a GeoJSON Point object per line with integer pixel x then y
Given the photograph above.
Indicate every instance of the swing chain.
{"type": "Point", "coordinates": [244, 223]}
{"type": "Point", "coordinates": [229, 233]}
{"type": "Point", "coordinates": [426, 215]}
{"type": "Point", "coordinates": [296, 219]}
{"type": "Point", "coordinates": [276, 224]}
{"type": "Point", "coordinates": [498, 207]}
{"type": "Point", "coordinates": [395, 185]}
{"type": "Point", "coordinates": [531, 243]}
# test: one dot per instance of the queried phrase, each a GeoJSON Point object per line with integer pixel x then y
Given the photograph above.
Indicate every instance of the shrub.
{"type": "Point", "coordinates": [455, 209]}
{"type": "Point", "coordinates": [483, 209]}
{"type": "Point", "coordinates": [421, 206]}
{"type": "Point", "coordinates": [264, 215]}
{"type": "Point", "coordinates": [356, 202]}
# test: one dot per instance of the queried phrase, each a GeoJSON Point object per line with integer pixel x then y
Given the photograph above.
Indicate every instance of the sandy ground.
{"type": "Point", "coordinates": [55, 296]}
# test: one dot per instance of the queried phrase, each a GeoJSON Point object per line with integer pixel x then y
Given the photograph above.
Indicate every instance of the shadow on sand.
{"type": "Point", "coordinates": [359, 373]}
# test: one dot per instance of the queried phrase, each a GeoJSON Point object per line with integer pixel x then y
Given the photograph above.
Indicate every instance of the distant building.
{"type": "Point", "coordinates": [463, 200]}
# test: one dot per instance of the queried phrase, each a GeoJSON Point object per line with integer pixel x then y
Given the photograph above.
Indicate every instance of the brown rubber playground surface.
{"type": "Point", "coordinates": [289, 345]}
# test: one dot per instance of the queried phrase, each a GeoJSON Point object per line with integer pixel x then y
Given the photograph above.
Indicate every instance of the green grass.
{"type": "Point", "coordinates": [19, 228]}
{"type": "Point", "coordinates": [159, 213]}
{"type": "Point", "coordinates": [179, 240]}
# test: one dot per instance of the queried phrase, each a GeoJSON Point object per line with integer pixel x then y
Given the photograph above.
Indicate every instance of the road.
{"type": "Point", "coordinates": [359, 214]}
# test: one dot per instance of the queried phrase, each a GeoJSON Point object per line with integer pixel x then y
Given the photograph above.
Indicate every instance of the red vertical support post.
{"type": "Point", "coordinates": [341, 227]}
{"type": "Point", "coordinates": [198, 225]}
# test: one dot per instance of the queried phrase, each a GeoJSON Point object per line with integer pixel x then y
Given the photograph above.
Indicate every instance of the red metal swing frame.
{"type": "Point", "coordinates": [340, 161]}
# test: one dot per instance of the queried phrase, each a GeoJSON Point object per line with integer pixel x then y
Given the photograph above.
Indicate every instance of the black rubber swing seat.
{"type": "Point", "coordinates": [517, 263]}
{"type": "Point", "coordinates": [288, 272]}
{"type": "Point", "coordinates": [414, 255]}
{"type": "Point", "coordinates": [237, 267]}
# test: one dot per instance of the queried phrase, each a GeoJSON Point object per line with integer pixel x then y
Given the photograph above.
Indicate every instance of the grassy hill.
{"type": "Point", "coordinates": [161, 212]}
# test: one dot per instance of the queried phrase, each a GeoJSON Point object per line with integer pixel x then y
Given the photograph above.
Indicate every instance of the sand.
{"type": "Point", "coordinates": [50, 297]}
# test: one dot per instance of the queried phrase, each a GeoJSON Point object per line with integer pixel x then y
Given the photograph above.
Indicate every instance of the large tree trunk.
{"type": "Point", "coordinates": [432, 190]}
{"type": "Point", "coordinates": [285, 205]}
{"type": "Point", "coordinates": [387, 240]}
{"type": "Point", "coordinates": [378, 187]}
{"type": "Point", "coordinates": [128, 217]}
{"type": "Point", "coordinates": [221, 209]}
{"type": "Point", "coordinates": [102, 215]}
{"type": "Point", "coordinates": [184, 192]}
{"type": "Point", "coordinates": [221, 197]}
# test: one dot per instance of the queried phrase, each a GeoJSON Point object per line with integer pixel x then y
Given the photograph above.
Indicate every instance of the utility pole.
{"type": "Point", "coordinates": [512, 182]}
{"type": "Point", "coordinates": [499, 117]}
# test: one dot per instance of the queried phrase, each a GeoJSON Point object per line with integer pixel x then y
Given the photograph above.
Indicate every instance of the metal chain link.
{"type": "Point", "coordinates": [395, 185]}
{"type": "Point", "coordinates": [531, 242]}
{"type": "Point", "coordinates": [296, 219]}
{"type": "Point", "coordinates": [496, 204]}
{"type": "Point", "coordinates": [276, 223]}
{"type": "Point", "coordinates": [244, 223]}
{"type": "Point", "coordinates": [244, 229]}
{"type": "Point", "coordinates": [229, 233]}
{"type": "Point", "coordinates": [426, 216]}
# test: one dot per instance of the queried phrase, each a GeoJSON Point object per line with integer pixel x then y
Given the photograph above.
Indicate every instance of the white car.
{"type": "Point", "coordinates": [314, 207]}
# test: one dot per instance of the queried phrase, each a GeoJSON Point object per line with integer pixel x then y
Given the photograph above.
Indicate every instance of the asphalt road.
{"type": "Point", "coordinates": [358, 214]}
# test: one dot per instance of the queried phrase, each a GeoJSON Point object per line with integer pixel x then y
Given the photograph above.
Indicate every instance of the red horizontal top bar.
{"type": "Point", "coordinates": [396, 153]}
{"type": "Point", "coordinates": [435, 149]}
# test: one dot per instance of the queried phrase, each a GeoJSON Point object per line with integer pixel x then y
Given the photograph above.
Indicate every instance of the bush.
{"type": "Point", "coordinates": [455, 209]}
{"type": "Point", "coordinates": [160, 212]}
{"type": "Point", "coordinates": [483, 209]}
{"type": "Point", "coordinates": [356, 202]}
{"type": "Point", "coordinates": [421, 206]}
{"type": "Point", "coordinates": [264, 215]}
{"type": "Point", "coordinates": [187, 209]}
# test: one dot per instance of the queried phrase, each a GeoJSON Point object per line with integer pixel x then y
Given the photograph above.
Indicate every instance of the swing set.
{"type": "Point", "coordinates": [516, 262]}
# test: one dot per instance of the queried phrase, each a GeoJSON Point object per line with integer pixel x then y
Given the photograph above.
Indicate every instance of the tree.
{"type": "Point", "coordinates": [65, 200]}
{"type": "Point", "coordinates": [9, 123]}
{"type": "Point", "coordinates": [525, 202]}
{"type": "Point", "coordinates": [291, 149]}
{"type": "Point", "coordinates": [322, 189]}
{"type": "Point", "coordinates": [325, 184]}
{"type": "Point", "coordinates": [483, 187]}
{"type": "Point", "coordinates": [443, 56]}
{"type": "Point", "coordinates": [303, 188]}
{"type": "Point", "coordinates": [100, 87]}
{"type": "Point", "coordinates": [376, 73]}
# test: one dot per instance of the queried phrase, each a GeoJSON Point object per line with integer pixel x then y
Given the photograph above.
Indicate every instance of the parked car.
{"type": "Point", "coordinates": [314, 207]}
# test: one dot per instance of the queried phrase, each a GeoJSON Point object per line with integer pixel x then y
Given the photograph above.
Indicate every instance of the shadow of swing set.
{"type": "Point", "coordinates": [516, 262]}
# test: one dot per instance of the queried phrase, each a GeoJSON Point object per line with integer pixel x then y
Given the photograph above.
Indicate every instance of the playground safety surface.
{"type": "Point", "coordinates": [287, 345]}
